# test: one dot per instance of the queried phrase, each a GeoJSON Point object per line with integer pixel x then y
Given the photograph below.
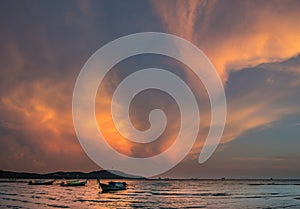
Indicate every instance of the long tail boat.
{"type": "Point", "coordinates": [41, 182]}
{"type": "Point", "coordinates": [73, 183]}
{"type": "Point", "coordinates": [112, 186]}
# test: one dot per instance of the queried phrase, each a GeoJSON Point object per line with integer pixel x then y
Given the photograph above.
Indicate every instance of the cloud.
{"type": "Point", "coordinates": [236, 34]}
{"type": "Point", "coordinates": [140, 108]}
{"type": "Point", "coordinates": [36, 83]}
{"type": "Point", "coordinates": [256, 103]}
{"type": "Point", "coordinates": [43, 50]}
{"type": "Point", "coordinates": [36, 128]}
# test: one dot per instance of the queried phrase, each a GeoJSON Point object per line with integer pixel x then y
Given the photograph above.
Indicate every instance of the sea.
{"type": "Point", "coordinates": [156, 194]}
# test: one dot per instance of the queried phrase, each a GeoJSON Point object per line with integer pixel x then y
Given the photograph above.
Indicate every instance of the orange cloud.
{"type": "Point", "coordinates": [139, 118]}
{"type": "Point", "coordinates": [35, 104]}
{"type": "Point", "coordinates": [236, 34]}
{"type": "Point", "coordinates": [39, 128]}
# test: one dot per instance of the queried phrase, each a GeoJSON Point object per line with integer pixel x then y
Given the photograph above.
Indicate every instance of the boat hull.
{"type": "Point", "coordinates": [109, 188]}
{"type": "Point", "coordinates": [73, 184]}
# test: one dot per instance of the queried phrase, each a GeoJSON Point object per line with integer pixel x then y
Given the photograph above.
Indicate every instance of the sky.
{"type": "Point", "coordinates": [254, 46]}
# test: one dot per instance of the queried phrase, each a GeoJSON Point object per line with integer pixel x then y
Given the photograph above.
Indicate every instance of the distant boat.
{"type": "Point", "coordinates": [112, 186]}
{"type": "Point", "coordinates": [73, 183]}
{"type": "Point", "coordinates": [41, 182]}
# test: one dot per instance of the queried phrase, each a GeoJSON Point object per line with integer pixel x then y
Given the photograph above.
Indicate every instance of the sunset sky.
{"type": "Point", "coordinates": [254, 46]}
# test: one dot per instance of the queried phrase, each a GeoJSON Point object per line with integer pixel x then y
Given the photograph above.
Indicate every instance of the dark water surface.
{"type": "Point", "coordinates": [156, 194]}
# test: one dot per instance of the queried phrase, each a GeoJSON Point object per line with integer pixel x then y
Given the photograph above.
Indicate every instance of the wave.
{"type": "Point", "coordinates": [189, 194]}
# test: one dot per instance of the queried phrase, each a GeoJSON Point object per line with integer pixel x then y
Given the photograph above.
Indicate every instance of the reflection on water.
{"type": "Point", "coordinates": [156, 194]}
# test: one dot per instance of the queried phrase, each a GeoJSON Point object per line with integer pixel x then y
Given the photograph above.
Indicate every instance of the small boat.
{"type": "Point", "coordinates": [41, 182]}
{"type": "Point", "coordinates": [73, 183]}
{"type": "Point", "coordinates": [112, 186]}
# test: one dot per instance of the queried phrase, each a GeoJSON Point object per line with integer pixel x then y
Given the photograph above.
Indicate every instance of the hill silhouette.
{"type": "Point", "coordinates": [102, 174]}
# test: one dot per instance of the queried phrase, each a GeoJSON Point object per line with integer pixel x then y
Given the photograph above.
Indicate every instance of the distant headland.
{"type": "Point", "coordinates": [103, 174]}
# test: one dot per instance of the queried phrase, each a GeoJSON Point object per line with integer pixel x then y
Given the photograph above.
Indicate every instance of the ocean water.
{"type": "Point", "coordinates": [156, 194]}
